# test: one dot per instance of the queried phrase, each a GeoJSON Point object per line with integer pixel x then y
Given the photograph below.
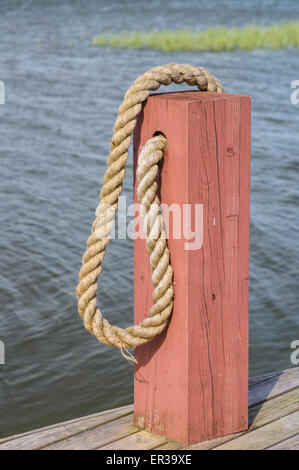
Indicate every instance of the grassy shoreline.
{"type": "Point", "coordinates": [278, 36]}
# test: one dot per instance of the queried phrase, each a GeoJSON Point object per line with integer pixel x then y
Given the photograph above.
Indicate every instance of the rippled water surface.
{"type": "Point", "coordinates": [62, 96]}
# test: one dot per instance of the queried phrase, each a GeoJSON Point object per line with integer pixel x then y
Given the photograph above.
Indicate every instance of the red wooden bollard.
{"type": "Point", "coordinates": [191, 382]}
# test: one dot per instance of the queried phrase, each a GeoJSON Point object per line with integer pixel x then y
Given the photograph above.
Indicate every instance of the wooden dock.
{"type": "Point", "coordinates": [273, 418]}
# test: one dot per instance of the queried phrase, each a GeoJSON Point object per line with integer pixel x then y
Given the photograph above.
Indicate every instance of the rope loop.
{"type": "Point", "coordinates": [156, 244]}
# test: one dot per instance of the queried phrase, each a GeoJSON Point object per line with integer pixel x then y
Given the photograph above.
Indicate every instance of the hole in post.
{"type": "Point", "coordinates": [159, 133]}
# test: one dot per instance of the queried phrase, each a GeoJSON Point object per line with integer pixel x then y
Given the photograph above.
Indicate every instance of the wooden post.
{"type": "Point", "coordinates": [191, 382]}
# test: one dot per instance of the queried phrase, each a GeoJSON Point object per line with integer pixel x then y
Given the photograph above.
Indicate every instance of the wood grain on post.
{"type": "Point", "coordinates": [191, 382]}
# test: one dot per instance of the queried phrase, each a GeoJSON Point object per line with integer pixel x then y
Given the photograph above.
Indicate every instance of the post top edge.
{"type": "Point", "coordinates": [190, 96]}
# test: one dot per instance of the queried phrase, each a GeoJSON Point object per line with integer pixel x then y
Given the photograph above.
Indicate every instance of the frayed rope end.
{"type": "Point", "coordinates": [127, 355]}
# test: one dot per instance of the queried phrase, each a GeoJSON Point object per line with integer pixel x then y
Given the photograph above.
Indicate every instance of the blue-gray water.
{"type": "Point", "coordinates": [62, 95]}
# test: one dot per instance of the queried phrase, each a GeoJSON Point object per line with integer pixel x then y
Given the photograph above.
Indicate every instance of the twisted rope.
{"type": "Point", "coordinates": [156, 244]}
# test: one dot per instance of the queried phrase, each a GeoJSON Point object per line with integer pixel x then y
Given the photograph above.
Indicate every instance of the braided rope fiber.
{"type": "Point", "coordinates": [156, 245]}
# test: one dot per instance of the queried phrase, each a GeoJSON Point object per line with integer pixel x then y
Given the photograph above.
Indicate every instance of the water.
{"type": "Point", "coordinates": [62, 96]}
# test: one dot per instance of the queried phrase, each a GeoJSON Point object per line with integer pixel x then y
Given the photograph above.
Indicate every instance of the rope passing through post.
{"type": "Point", "coordinates": [147, 172]}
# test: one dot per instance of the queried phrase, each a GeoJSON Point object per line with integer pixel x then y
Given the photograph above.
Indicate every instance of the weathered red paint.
{"type": "Point", "coordinates": [191, 382]}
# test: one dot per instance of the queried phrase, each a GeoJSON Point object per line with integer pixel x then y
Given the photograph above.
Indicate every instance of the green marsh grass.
{"type": "Point", "coordinates": [218, 39]}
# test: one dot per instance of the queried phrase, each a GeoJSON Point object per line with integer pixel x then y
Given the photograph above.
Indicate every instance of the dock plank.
{"type": "Point", "coordinates": [266, 436]}
{"type": "Point", "coordinates": [273, 386]}
{"type": "Point", "coordinates": [209, 445]}
{"type": "Point", "coordinates": [170, 445]}
{"type": "Point", "coordinates": [39, 438]}
{"type": "Point", "coordinates": [273, 420]}
{"type": "Point", "coordinates": [142, 440]}
{"type": "Point", "coordinates": [274, 409]}
{"type": "Point", "coordinates": [97, 437]}
{"type": "Point", "coordinates": [289, 444]}
{"type": "Point", "coordinates": [261, 378]}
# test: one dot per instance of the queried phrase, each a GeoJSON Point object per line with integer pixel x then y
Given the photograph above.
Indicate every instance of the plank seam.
{"type": "Point", "coordinates": [6, 439]}
{"type": "Point", "coordinates": [84, 432]}
{"type": "Point", "coordinates": [280, 442]}
{"type": "Point", "coordinates": [249, 431]}
{"type": "Point", "coordinates": [55, 441]}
